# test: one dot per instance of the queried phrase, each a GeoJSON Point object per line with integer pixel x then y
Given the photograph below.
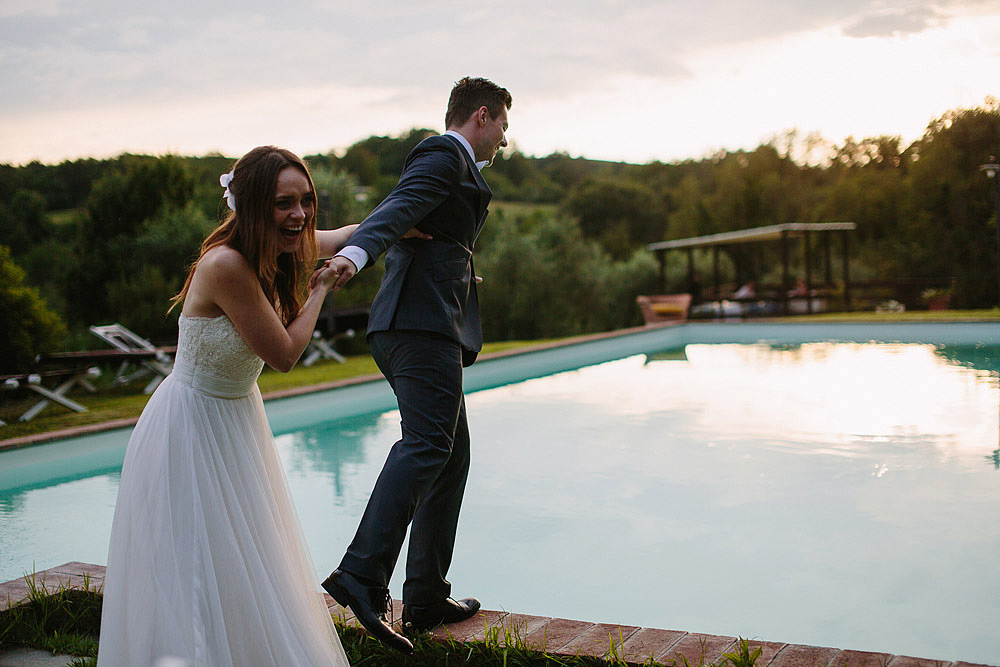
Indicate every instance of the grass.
{"type": "Point", "coordinates": [63, 620]}
{"type": "Point", "coordinates": [67, 621]}
{"type": "Point", "coordinates": [522, 209]}
{"type": "Point", "coordinates": [984, 315]}
{"type": "Point", "coordinates": [106, 405]}
{"type": "Point", "coordinates": [501, 647]}
{"type": "Point", "coordinates": [64, 217]}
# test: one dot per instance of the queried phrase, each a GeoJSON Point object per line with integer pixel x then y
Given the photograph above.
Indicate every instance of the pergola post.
{"type": "Point", "coordinates": [784, 270]}
{"type": "Point", "coordinates": [807, 247]}
{"type": "Point", "coordinates": [715, 273]}
{"type": "Point", "coordinates": [661, 257]}
{"type": "Point", "coordinates": [846, 271]}
{"type": "Point", "coordinates": [734, 255]}
{"type": "Point", "coordinates": [829, 262]}
{"type": "Point", "coordinates": [690, 254]}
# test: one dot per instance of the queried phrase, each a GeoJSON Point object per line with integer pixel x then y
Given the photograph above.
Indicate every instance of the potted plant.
{"type": "Point", "coordinates": [937, 298]}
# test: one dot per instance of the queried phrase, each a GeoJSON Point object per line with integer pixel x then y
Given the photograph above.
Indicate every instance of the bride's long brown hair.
{"type": "Point", "coordinates": [250, 230]}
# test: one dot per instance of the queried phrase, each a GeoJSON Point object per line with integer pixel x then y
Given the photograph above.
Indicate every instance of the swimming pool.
{"type": "Point", "coordinates": [747, 479]}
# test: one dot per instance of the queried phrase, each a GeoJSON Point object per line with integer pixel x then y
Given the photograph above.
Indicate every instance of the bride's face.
{"type": "Point", "coordinates": [294, 206]}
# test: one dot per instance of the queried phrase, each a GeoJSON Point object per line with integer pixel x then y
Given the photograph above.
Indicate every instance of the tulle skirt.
{"type": "Point", "coordinates": [207, 562]}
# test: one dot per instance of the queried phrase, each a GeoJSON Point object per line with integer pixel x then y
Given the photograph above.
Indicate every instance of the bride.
{"type": "Point", "coordinates": [207, 561]}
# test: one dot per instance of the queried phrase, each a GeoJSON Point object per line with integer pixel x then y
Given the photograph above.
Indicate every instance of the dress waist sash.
{"type": "Point", "coordinates": [212, 385]}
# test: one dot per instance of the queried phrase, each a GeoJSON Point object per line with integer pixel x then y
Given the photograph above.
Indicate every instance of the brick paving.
{"type": "Point", "coordinates": [559, 636]}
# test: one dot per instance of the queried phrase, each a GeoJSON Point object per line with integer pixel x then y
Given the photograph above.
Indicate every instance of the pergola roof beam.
{"type": "Point", "coordinates": [769, 233]}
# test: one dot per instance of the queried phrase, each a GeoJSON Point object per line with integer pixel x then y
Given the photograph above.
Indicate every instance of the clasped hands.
{"type": "Point", "coordinates": [333, 275]}
{"type": "Point", "coordinates": [337, 271]}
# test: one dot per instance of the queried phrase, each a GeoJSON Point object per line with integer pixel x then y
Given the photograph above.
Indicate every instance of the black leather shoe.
{"type": "Point", "coordinates": [369, 604]}
{"type": "Point", "coordinates": [420, 618]}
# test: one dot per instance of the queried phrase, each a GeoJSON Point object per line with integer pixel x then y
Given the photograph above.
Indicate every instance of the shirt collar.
{"type": "Point", "coordinates": [468, 148]}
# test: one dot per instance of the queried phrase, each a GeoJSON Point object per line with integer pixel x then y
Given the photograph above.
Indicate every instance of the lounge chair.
{"type": "Point", "coordinates": [152, 360]}
{"type": "Point", "coordinates": [33, 381]}
{"type": "Point", "coordinates": [332, 325]}
{"type": "Point", "coordinates": [664, 308]}
{"type": "Point", "coordinates": [321, 347]}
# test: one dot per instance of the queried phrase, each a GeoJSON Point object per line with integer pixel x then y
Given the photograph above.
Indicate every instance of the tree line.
{"type": "Point", "coordinates": [97, 241]}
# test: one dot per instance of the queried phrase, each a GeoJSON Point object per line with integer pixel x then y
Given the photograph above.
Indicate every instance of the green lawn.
{"type": "Point", "coordinates": [908, 316]}
{"type": "Point", "coordinates": [522, 209]}
{"type": "Point", "coordinates": [65, 216]}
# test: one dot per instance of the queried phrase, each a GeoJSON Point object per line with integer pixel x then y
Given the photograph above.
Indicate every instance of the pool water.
{"type": "Point", "coordinates": [835, 494]}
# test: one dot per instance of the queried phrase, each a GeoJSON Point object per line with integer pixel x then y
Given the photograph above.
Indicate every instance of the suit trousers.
{"type": "Point", "coordinates": [423, 479]}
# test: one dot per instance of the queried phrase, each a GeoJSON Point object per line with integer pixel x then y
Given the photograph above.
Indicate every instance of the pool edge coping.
{"type": "Point", "coordinates": [634, 644]}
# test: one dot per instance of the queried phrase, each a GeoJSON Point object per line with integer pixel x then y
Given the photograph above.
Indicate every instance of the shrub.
{"type": "Point", "coordinates": [28, 326]}
{"type": "Point", "coordinates": [542, 279]}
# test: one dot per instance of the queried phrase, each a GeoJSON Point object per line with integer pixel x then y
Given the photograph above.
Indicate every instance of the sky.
{"type": "Point", "coordinates": [621, 80]}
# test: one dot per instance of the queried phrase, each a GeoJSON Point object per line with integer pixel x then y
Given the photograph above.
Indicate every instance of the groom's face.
{"type": "Point", "coordinates": [493, 135]}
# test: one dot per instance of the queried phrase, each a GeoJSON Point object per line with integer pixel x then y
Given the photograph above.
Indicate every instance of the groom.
{"type": "Point", "coordinates": [423, 329]}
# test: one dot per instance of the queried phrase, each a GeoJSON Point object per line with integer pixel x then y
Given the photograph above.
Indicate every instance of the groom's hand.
{"type": "Point", "coordinates": [345, 270]}
{"type": "Point", "coordinates": [415, 233]}
{"type": "Point", "coordinates": [323, 278]}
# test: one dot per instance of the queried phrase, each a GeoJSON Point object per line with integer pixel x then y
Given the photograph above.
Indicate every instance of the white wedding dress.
{"type": "Point", "coordinates": [207, 561]}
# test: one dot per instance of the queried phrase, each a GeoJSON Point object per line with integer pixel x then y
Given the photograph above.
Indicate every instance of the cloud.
{"type": "Point", "coordinates": [13, 8]}
{"type": "Point", "coordinates": [899, 18]}
{"type": "Point", "coordinates": [894, 23]}
{"type": "Point", "coordinates": [148, 54]}
{"type": "Point", "coordinates": [548, 48]}
{"type": "Point", "coordinates": [386, 65]}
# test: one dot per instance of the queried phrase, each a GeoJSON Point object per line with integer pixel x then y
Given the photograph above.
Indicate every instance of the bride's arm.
{"type": "Point", "coordinates": [226, 278]}
{"type": "Point", "coordinates": [330, 241]}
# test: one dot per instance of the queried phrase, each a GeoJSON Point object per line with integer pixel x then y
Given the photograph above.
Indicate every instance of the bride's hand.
{"type": "Point", "coordinates": [323, 278]}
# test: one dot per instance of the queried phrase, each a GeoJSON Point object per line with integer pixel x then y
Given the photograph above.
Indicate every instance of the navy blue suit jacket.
{"type": "Point", "coordinates": [429, 285]}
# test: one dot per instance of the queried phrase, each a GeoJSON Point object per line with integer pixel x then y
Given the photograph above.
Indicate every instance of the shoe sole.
{"type": "Point", "coordinates": [343, 598]}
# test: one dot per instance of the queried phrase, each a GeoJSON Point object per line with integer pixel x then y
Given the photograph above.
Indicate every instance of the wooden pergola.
{"type": "Point", "coordinates": [783, 234]}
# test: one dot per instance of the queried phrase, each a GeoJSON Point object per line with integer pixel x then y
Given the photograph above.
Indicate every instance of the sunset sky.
{"type": "Point", "coordinates": [635, 80]}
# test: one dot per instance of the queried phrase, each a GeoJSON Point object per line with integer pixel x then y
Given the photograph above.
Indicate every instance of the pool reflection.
{"type": "Point", "coordinates": [829, 494]}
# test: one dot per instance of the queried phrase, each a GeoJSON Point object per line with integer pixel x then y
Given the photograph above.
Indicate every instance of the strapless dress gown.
{"type": "Point", "coordinates": [207, 561]}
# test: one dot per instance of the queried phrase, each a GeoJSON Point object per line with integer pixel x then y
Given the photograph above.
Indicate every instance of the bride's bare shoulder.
{"type": "Point", "coordinates": [223, 263]}
{"type": "Point", "coordinates": [222, 277]}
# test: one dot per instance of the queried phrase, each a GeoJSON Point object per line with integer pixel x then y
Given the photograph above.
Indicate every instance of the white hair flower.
{"type": "Point", "coordinates": [224, 181]}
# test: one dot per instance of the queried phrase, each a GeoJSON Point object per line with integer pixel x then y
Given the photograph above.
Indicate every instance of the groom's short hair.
{"type": "Point", "coordinates": [471, 93]}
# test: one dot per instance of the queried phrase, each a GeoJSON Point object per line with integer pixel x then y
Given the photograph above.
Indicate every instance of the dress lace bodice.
{"type": "Point", "coordinates": [213, 357]}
